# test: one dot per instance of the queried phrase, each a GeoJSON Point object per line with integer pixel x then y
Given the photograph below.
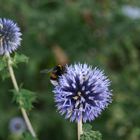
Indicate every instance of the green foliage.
{"type": "Point", "coordinates": [89, 134]}
{"type": "Point", "coordinates": [16, 59]}
{"type": "Point", "coordinates": [28, 136]}
{"type": "Point", "coordinates": [87, 127]}
{"type": "Point", "coordinates": [3, 68]}
{"type": "Point", "coordinates": [24, 98]}
{"type": "Point", "coordinates": [24, 136]}
{"type": "Point", "coordinates": [2, 63]}
{"type": "Point", "coordinates": [19, 58]}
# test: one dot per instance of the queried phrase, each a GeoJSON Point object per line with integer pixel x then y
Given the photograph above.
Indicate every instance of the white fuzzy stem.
{"type": "Point", "coordinates": [79, 128]}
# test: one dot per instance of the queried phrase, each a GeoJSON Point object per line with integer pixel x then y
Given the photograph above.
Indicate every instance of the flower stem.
{"type": "Point", "coordinates": [23, 111]}
{"type": "Point", "coordinates": [79, 128]}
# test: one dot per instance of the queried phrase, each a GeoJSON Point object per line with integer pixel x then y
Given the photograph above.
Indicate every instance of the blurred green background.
{"type": "Point", "coordinates": [103, 33]}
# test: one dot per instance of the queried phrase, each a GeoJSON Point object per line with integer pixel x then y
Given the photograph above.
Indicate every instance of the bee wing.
{"type": "Point", "coordinates": [46, 70]}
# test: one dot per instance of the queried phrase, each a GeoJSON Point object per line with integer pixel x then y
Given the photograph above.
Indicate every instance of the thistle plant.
{"type": "Point", "coordinates": [82, 94]}
{"type": "Point", "coordinates": [10, 40]}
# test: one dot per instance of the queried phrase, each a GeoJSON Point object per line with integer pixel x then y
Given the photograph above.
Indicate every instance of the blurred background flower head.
{"type": "Point", "coordinates": [10, 36]}
{"type": "Point", "coordinates": [17, 125]}
{"type": "Point", "coordinates": [132, 12]}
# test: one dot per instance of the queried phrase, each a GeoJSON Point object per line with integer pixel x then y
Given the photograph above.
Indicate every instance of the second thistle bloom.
{"type": "Point", "coordinates": [82, 92]}
{"type": "Point", "coordinates": [10, 36]}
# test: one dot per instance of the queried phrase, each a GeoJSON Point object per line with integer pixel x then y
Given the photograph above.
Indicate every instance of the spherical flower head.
{"type": "Point", "coordinates": [10, 36]}
{"type": "Point", "coordinates": [82, 93]}
{"type": "Point", "coordinates": [17, 125]}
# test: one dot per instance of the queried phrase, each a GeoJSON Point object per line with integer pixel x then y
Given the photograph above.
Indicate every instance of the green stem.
{"type": "Point", "coordinates": [23, 111]}
{"type": "Point", "coordinates": [79, 128]}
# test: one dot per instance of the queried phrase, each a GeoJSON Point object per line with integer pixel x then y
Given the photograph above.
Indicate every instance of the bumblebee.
{"type": "Point", "coordinates": [55, 72]}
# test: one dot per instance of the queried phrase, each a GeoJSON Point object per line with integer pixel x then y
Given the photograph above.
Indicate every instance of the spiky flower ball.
{"type": "Point", "coordinates": [10, 36]}
{"type": "Point", "coordinates": [82, 92]}
{"type": "Point", "coordinates": [17, 125]}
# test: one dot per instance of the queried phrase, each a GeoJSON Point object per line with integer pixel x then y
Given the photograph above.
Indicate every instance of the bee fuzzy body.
{"type": "Point", "coordinates": [55, 73]}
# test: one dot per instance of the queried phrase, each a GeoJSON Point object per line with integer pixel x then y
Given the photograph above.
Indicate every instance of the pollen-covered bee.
{"type": "Point", "coordinates": [55, 73]}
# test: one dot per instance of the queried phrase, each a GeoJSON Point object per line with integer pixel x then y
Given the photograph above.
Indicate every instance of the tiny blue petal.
{"type": "Point", "coordinates": [10, 36]}
{"type": "Point", "coordinates": [82, 92]}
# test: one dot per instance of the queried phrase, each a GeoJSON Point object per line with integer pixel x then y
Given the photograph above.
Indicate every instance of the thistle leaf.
{"type": "Point", "coordinates": [89, 134]}
{"type": "Point", "coordinates": [25, 98]}
{"type": "Point", "coordinates": [19, 58]}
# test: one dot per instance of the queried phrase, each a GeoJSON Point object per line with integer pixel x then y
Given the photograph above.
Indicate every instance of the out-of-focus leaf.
{"type": "Point", "coordinates": [28, 136]}
{"type": "Point", "coordinates": [3, 68]}
{"type": "Point", "coordinates": [89, 134]}
{"type": "Point", "coordinates": [25, 98]}
{"type": "Point", "coordinates": [19, 58]}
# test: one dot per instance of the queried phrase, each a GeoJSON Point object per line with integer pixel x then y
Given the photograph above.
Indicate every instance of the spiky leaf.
{"type": "Point", "coordinates": [89, 134]}
{"type": "Point", "coordinates": [19, 58]}
{"type": "Point", "coordinates": [25, 98]}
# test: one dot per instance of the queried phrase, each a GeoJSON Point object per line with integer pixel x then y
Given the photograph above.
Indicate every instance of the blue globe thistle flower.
{"type": "Point", "coordinates": [17, 125]}
{"type": "Point", "coordinates": [82, 92]}
{"type": "Point", "coordinates": [10, 36]}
